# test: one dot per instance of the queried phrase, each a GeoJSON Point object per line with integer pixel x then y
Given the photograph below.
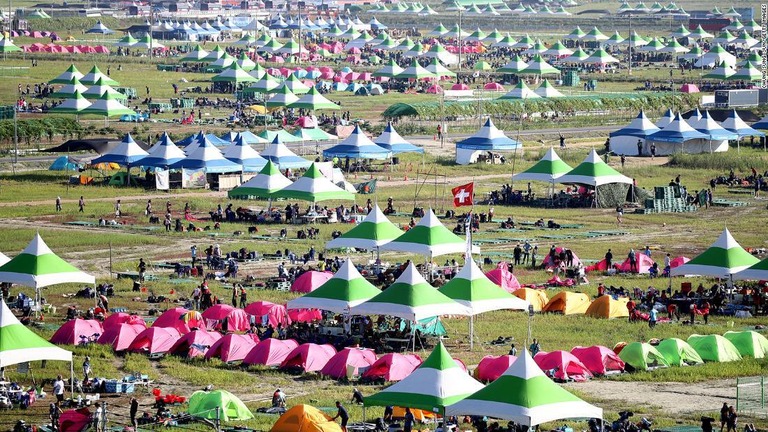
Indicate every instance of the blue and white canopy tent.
{"type": "Point", "coordinates": [718, 136]}
{"type": "Point", "coordinates": [243, 154]}
{"type": "Point", "coordinates": [357, 146]}
{"type": "Point", "coordinates": [209, 159]}
{"type": "Point", "coordinates": [126, 153]}
{"type": "Point", "coordinates": [678, 137]}
{"type": "Point", "coordinates": [624, 140]}
{"type": "Point", "coordinates": [487, 139]}
{"type": "Point", "coordinates": [283, 157]}
{"type": "Point", "coordinates": [392, 141]}
{"type": "Point", "coordinates": [163, 154]}
{"type": "Point", "coordinates": [666, 119]}
{"type": "Point", "coordinates": [735, 124]}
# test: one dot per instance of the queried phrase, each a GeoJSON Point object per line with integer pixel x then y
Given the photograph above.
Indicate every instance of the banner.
{"type": "Point", "coordinates": [162, 179]}
{"type": "Point", "coordinates": [192, 179]}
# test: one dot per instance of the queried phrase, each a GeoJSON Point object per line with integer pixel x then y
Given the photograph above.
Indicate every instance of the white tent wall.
{"type": "Point", "coordinates": [626, 145]}
{"type": "Point", "coordinates": [689, 147]}
{"type": "Point", "coordinates": [467, 156]}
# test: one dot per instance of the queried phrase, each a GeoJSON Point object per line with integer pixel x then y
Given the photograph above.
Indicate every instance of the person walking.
{"type": "Point", "coordinates": [652, 316]}
{"type": "Point", "coordinates": [193, 252]}
{"type": "Point", "coordinates": [609, 259]}
{"type": "Point", "coordinates": [133, 411]}
{"type": "Point", "coordinates": [341, 414]}
{"type": "Point", "coordinates": [243, 297]}
{"type": "Point", "coordinates": [58, 389]}
{"type": "Point", "coordinates": [58, 203]}
{"type": "Point", "coordinates": [81, 204]}
{"type": "Point", "coordinates": [86, 368]}
{"type": "Point", "coordinates": [118, 210]}
{"type": "Point", "coordinates": [535, 348]}
{"type": "Point", "coordinates": [653, 150]}
{"type": "Point", "coordinates": [619, 215]}
{"type": "Point", "coordinates": [732, 419]}
{"type": "Point", "coordinates": [723, 416]}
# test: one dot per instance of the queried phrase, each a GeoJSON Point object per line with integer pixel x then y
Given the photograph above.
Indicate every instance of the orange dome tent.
{"type": "Point", "coordinates": [305, 418]}
{"type": "Point", "coordinates": [606, 307]}
{"type": "Point", "coordinates": [537, 298]}
{"type": "Point", "coordinates": [568, 303]}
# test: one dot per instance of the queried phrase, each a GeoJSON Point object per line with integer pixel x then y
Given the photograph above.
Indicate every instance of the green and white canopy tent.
{"type": "Point", "coordinates": [234, 74]}
{"type": "Point", "coordinates": [548, 169]}
{"type": "Point", "coordinates": [345, 290]}
{"type": "Point", "coordinates": [7, 46]}
{"type": "Point", "coordinates": [94, 75]}
{"type": "Point", "coordinates": [410, 297]}
{"type": "Point", "coordinates": [313, 100]}
{"type": "Point", "coordinates": [758, 271]}
{"type": "Point", "coordinates": [516, 65]}
{"type": "Point", "coordinates": [74, 104]}
{"type": "Point", "coordinates": [525, 395]}
{"type": "Point", "coordinates": [196, 54]}
{"type": "Point", "coordinates": [38, 267]}
{"type": "Point", "coordinates": [390, 70]}
{"type": "Point", "coordinates": [68, 90]}
{"type": "Point", "coordinates": [437, 383]}
{"type": "Point", "coordinates": [438, 69]}
{"type": "Point", "coordinates": [66, 76]}
{"type": "Point", "coordinates": [128, 41]}
{"type": "Point", "coordinates": [281, 98]}
{"type": "Point", "coordinates": [594, 172]}
{"type": "Point", "coordinates": [265, 184]}
{"type": "Point", "coordinates": [724, 259]}
{"type": "Point", "coordinates": [295, 85]}
{"type": "Point", "coordinates": [108, 106]}
{"type": "Point", "coordinates": [472, 288]}
{"type": "Point", "coordinates": [313, 186]}
{"type": "Point", "coordinates": [415, 71]}
{"type": "Point", "coordinates": [429, 238]}
{"type": "Point", "coordinates": [373, 232]}
{"type": "Point", "coordinates": [540, 67]}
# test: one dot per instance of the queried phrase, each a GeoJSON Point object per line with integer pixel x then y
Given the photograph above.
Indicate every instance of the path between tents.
{"type": "Point", "coordinates": [670, 397]}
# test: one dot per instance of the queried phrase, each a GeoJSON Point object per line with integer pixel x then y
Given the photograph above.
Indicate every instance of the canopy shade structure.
{"type": "Point", "coordinates": [163, 154]}
{"type": "Point", "coordinates": [313, 100]}
{"type": "Point", "coordinates": [243, 154]}
{"type": "Point", "coordinates": [373, 232]}
{"type": "Point", "coordinates": [66, 76]}
{"type": "Point", "coordinates": [678, 131]}
{"type": "Point", "coordinates": [196, 54]}
{"type": "Point", "coordinates": [392, 141]}
{"type": "Point", "coordinates": [472, 288]}
{"type": "Point", "coordinates": [757, 271]}
{"type": "Point", "coordinates": [708, 126]}
{"type": "Point", "coordinates": [390, 70]}
{"type": "Point", "coordinates": [415, 71]}
{"type": "Point", "coordinates": [540, 67]}
{"type": "Point", "coordinates": [18, 344]}
{"type": "Point", "coordinates": [593, 172]}
{"type": "Point", "coordinates": [280, 155]}
{"type": "Point", "coordinates": [38, 267]}
{"type": "Point", "coordinates": [549, 168]}
{"type": "Point", "coordinates": [313, 186]}
{"type": "Point", "coordinates": [108, 106]}
{"type": "Point", "coordinates": [264, 185]}
{"type": "Point", "coordinates": [74, 104]}
{"type": "Point", "coordinates": [235, 74]}
{"type": "Point", "coordinates": [525, 395]}
{"type": "Point", "coordinates": [345, 290]}
{"type": "Point", "coordinates": [69, 89]}
{"type": "Point", "coordinates": [357, 146]}
{"type": "Point", "coordinates": [94, 75]}
{"type": "Point", "coordinates": [126, 153]}
{"type": "Point", "coordinates": [208, 158]}
{"type": "Point", "coordinates": [488, 138]}
{"type": "Point", "coordinates": [437, 383]}
{"type": "Point", "coordinates": [99, 28]}
{"type": "Point", "coordinates": [429, 238]}
{"type": "Point", "coordinates": [724, 258]}
{"type": "Point", "coordinates": [99, 89]}
{"type": "Point", "coordinates": [520, 91]}
{"type": "Point", "coordinates": [640, 127]}
{"type": "Point", "coordinates": [439, 70]}
{"type": "Point", "coordinates": [734, 123]}
{"type": "Point", "coordinates": [410, 297]}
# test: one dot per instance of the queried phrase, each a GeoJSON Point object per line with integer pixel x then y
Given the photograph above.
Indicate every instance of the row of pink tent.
{"type": "Point", "coordinates": [67, 49]}
{"type": "Point", "coordinates": [644, 264]}
{"type": "Point", "coordinates": [35, 34]}
{"type": "Point", "coordinates": [580, 364]}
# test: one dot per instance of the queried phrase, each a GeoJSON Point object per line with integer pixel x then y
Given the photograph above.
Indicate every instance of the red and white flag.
{"type": "Point", "coordinates": [463, 195]}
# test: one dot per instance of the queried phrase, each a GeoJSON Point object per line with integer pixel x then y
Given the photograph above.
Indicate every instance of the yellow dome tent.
{"type": "Point", "coordinates": [537, 298]}
{"type": "Point", "coordinates": [305, 418]}
{"type": "Point", "coordinates": [568, 303]}
{"type": "Point", "coordinates": [607, 307]}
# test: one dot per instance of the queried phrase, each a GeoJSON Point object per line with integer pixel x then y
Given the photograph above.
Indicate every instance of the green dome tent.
{"type": "Point", "coordinates": [203, 404]}
{"type": "Point", "coordinates": [749, 343]}
{"type": "Point", "coordinates": [642, 356]}
{"type": "Point", "coordinates": [714, 348]}
{"type": "Point", "coordinates": [678, 352]}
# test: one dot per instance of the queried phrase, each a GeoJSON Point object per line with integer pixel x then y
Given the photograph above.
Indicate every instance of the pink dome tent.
{"type": "Point", "coordinates": [644, 263]}
{"type": "Point", "coordinates": [459, 86]}
{"type": "Point", "coordinates": [565, 366]}
{"type": "Point", "coordinates": [273, 314]}
{"type": "Point", "coordinates": [309, 357]}
{"type": "Point", "coordinates": [360, 359]}
{"type": "Point", "coordinates": [172, 318]}
{"type": "Point", "coordinates": [195, 343]}
{"type": "Point", "coordinates": [231, 347]}
{"type": "Point", "coordinates": [492, 367]}
{"type": "Point", "coordinates": [434, 89]}
{"type": "Point", "coordinates": [678, 261]}
{"type": "Point", "coordinates": [155, 340]}
{"type": "Point", "coordinates": [77, 331]}
{"type": "Point", "coordinates": [305, 315]}
{"type": "Point", "coordinates": [549, 264]}
{"type": "Point", "coordinates": [237, 319]}
{"type": "Point", "coordinates": [270, 352]}
{"type": "Point", "coordinates": [122, 318]}
{"type": "Point", "coordinates": [121, 336]}
{"type": "Point", "coordinates": [494, 87]}
{"type": "Point", "coordinates": [598, 359]}
{"type": "Point", "coordinates": [392, 367]}
{"type": "Point", "coordinates": [75, 420]}
{"type": "Point", "coordinates": [502, 277]}
{"type": "Point", "coordinates": [310, 281]}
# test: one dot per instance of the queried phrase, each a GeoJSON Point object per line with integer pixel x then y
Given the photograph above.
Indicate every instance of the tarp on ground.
{"type": "Point", "coordinates": [492, 367]}
{"type": "Point", "coordinates": [749, 343]}
{"type": "Point", "coordinates": [270, 352]}
{"type": "Point", "coordinates": [678, 352]}
{"type": "Point", "coordinates": [568, 303]}
{"type": "Point", "coordinates": [195, 343]}
{"type": "Point", "coordinates": [305, 418]}
{"type": "Point", "coordinates": [18, 344]}
{"type": "Point", "coordinates": [598, 359]}
{"type": "Point", "coordinates": [562, 366]}
{"type": "Point", "coordinates": [76, 332]}
{"type": "Point", "coordinates": [537, 298]}
{"type": "Point", "coordinates": [641, 356]}
{"type": "Point", "coordinates": [607, 307]}
{"type": "Point", "coordinates": [359, 359]}
{"type": "Point", "coordinates": [204, 404]}
{"type": "Point", "coordinates": [392, 367]}
{"type": "Point", "coordinates": [232, 347]}
{"type": "Point", "coordinates": [308, 357]}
